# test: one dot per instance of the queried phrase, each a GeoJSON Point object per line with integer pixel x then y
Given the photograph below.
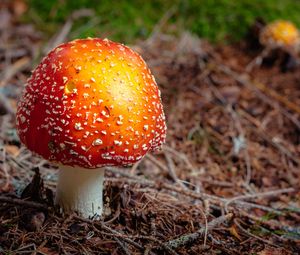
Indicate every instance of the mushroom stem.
{"type": "Point", "coordinates": [80, 190]}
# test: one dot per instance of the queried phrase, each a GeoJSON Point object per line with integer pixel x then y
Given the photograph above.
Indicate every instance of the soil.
{"type": "Point", "coordinates": [226, 182]}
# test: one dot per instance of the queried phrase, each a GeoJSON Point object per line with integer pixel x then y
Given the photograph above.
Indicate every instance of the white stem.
{"type": "Point", "coordinates": [80, 190]}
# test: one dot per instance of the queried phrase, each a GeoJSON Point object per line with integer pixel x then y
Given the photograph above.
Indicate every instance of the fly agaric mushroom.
{"type": "Point", "coordinates": [280, 33]}
{"type": "Point", "coordinates": [90, 103]}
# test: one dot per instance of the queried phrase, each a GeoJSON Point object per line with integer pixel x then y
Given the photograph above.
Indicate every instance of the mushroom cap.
{"type": "Point", "coordinates": [91, 103]}
{"type": "Point", "coordinates": [280, 33]}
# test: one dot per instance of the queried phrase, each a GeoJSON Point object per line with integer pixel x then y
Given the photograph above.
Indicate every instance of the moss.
{"type": "Point", "coordinates": [216, 20]}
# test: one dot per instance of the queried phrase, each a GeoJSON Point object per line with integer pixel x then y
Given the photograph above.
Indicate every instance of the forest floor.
{"type": "Point", "coordinates": [226, 182]}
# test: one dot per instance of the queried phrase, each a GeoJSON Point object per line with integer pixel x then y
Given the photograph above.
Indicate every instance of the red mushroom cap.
{"type": "Point", "coordinates": [91, 103]}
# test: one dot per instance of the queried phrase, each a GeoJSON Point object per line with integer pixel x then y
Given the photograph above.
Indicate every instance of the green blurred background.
{"type": "Point", "coordinates": [126, 21]}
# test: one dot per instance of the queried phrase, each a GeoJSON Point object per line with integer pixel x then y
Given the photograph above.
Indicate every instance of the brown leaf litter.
{"type": "Point", "coordinates": [227, 182]}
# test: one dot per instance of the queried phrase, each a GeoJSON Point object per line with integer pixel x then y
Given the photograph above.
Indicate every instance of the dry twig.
{"type": "Point", "coordinates": [21, 202]}
{"type": "Point", "coordinates": [190, 238]}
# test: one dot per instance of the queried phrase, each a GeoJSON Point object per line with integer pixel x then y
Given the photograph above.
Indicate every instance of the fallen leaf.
{"type": "Point", "coordinates": [12, 149]}
{"type": "Point", "coordinates": [233, 231]}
